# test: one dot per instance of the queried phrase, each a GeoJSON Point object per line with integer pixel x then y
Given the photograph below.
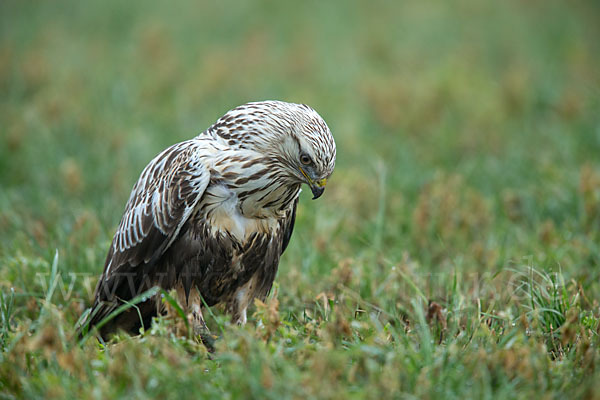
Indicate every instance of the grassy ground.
{"type": "Point", "coordinates": [455, 253]}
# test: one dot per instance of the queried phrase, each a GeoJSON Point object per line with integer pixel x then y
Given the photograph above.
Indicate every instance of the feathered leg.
{"type": "Point", "coordinates": [193, 311]}
{"type": "Point", "coordinates": [238, 304]}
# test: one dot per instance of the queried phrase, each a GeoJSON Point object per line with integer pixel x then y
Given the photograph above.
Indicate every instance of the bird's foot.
{"type": "Point", "coordinates": [208, 340]}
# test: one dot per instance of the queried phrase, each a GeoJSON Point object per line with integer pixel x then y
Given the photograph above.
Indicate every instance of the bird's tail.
{"type": "Point", "coordinates": [111, 313]}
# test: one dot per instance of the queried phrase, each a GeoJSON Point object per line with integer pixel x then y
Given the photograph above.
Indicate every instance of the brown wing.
{"type": "Point", "coordinates": [160, 203]}
{"type": "Point", "coordinates": [288, 225]}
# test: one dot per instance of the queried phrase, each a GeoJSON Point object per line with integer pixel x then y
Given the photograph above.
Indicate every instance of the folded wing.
{"type": "Point", "coordinates": [161, 201]}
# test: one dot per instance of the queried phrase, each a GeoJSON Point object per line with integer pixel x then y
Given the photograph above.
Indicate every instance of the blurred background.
{"type": "Point", "coordinates": [455, 251]}
{"type": "Point", "coordinates": [468, 132]}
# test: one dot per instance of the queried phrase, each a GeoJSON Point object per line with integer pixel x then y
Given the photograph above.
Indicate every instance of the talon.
{"type": "Point", "coordinates": [208, 341]}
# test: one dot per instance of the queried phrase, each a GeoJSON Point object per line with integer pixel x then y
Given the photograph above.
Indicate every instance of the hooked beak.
{"type": "Point", "coordinates": [317, 187]}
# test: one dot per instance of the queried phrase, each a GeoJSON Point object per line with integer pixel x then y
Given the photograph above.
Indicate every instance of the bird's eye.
{"type": "Point", "coordinates": [305, 159]}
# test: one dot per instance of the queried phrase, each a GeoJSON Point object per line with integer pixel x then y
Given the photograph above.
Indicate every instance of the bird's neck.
{"type": "Point", "coordinates": [256, 185]}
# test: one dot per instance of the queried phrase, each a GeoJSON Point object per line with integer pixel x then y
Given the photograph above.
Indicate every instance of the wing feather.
{"type": "Point", "coordinates": [288, 226]}
{"type": "Point", "coordinates": [161, 201]}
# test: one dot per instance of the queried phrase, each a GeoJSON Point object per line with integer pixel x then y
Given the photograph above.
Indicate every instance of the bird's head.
{"type": "Point", "coordinates": [293, 137]}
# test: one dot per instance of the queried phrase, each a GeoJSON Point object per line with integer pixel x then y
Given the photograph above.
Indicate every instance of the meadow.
{"type": "Point", "coordinates": [454, 255]}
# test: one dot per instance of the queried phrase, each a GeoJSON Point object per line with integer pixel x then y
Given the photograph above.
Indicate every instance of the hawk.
{"type": "Point", "coordinates": [210, 217]}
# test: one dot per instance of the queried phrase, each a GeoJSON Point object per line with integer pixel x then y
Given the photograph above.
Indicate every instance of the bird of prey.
{"type": "Point", "coordinates": [211, 216]}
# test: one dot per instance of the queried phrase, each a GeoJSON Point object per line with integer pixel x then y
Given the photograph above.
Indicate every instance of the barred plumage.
{"type": "Point", "coordinates": [212, 215]}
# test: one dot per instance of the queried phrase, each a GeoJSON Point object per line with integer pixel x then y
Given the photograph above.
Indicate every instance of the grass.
{"type": "Point", "coordinates": [455, 253]}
